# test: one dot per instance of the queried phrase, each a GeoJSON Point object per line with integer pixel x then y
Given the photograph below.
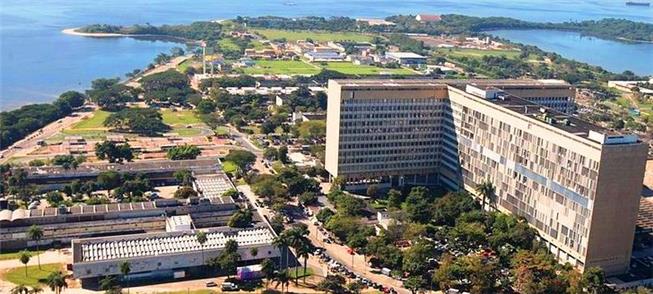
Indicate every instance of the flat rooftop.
{"type": "Point", "coordinates": [562, 121]}
{"type": "Point", "coordinates": [352, 83]}
{"type": "Point", "coordinates": [142, 166]}
{"type": "Point", "coordinates": [404, 55]}
{"type": "Point", "coordinates": [161, 244]}
{"type": "Point", "coordinates": [212, 186]}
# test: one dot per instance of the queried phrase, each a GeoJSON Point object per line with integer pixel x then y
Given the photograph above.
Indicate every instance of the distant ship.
{"type": "Point", "coordinates": [289, 3]}
{"type": "Point", "coordinates": [633, 3]}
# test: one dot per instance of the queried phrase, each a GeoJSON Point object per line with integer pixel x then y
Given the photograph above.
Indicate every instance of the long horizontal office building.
{"type": "Point", "coordinates": [61, 225]}
{"type": "Point", "coordinates": [166, 255]}
{"type": "Point", "coordinates": [576, 183]}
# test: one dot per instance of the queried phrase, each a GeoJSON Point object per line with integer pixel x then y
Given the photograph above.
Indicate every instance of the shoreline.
{"type": "Point", "coordinates": [74, 32]}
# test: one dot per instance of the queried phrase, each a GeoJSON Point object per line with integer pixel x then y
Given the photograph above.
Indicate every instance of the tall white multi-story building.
{"type": "Point", "coordinates": [576, 183]}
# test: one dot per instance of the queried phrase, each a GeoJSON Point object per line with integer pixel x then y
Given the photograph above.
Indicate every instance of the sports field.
{"type": "Point", "coordinates": [294, 67]}
{"type": "Point", "coordinates": [321, 36]}
{"type": "Point", "coordinates": [353, 69]}
{"type": "Point", "coordinates": [282, 67]}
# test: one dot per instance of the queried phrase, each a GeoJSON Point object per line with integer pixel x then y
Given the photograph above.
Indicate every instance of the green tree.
{"type": "Point", "coordinates": [229, 257]}
{"type": "Point", "coordinates": [282, 154]}
{"type": "Point", "coordinates": [183, 152]}
{"type": "Point", "coordinates": [418, 207]}
{"type": "Point", "coordinates": [54, 198]}
{"type": "Point", "coordinates": [35, 233]}
{"type": "Point", "coordinates": [241, 158]}
{"type": "Point", "coordinates": [185, 192]}
{"type": "Point", "coordinates": [184, 177]}
{"type": "Point", "coordinates": [594, 279]}
{"type": "Point", "coordinates": [66, 161]}
{"type": "Point", "coordinates": [308, 198]}
{"type": "Point", "coordinates": [73, 98]}
{"type": "Point", "coordinates": [200, 236]}
{"type": "Point", "coordinates": [268, 268]}
{"type": "Point", "coordinates": [125, 269]}
{"type": "Point", "coordinates": [415, 257]}
{"type": "Point", "coordinates": [487, 190]}
{"type": "Point", "coordinates": [144, 121]}
{"type": "Point", "coordinates": [113, 152]}
{"type": "Point", "coordinates": [24, 258]}
{"type": "Point", "coordinates": [109, 180]}
{"type": "Point", "coordinates": [56, 281]}
{"type": "Point", "coordinates": [240, 219]}
{"type": "Point", "coordinates": [206, 107]}
{"type": "Point", "coordinates": [282, 278]}
{"type": "Point", "coordinates": [332, 283]}
{"type": "Point", "coordinates": [414, 283]}
{"type": "Point", "coordinates": [394, 198]}
{"type": "Point", "coordinates": [282, 242]}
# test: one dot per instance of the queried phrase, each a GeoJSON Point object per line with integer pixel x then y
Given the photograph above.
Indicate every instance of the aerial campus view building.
{"type": "Point", "coordinates": [578, 184]}
{"type": "Point", "coordinates": [156, 237]}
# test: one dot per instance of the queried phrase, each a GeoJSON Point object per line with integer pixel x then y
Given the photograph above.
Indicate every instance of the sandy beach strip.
{"type": "Point", "coordinates": [74, 31]}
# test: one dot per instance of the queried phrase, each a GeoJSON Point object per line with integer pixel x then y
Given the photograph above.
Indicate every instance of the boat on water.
{"type": "Point", "coordinates": [289, 3]}
{"type": "Point", "coordinates": [638, 3]}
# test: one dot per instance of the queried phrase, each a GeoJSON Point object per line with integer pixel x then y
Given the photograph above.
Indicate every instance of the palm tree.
{"type": "Point", "coordinates": [253, 251]}
{"type": "Point", "coordinates": [282, 279]}
{"type": "Point", "coordinates": [24, 259]}
{"type": "Point", "coordinates": [267, 268]}
{"type": "Point", "coordinates": [303, 250]}
{"type": "Point", "coordinates": [36, 290]}
{"type": "Point", "coordinates": [201, 238]}
{"type": "Point", "coordinates": [20, 289]}
{"type": "Point", "coordinates": [56, 281]}
{"type": "Point", "coordinates": [125, 269]}
{"type": "Point", "coordinates": [486, 189]}
{"type": "Point", "coordinates": [36, 234]}
{"type": "Point", "coordinates": [282, 242]}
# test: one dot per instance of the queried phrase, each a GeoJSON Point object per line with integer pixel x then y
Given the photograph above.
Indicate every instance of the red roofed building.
{"type": "Point", "coordinates": [428, 17]}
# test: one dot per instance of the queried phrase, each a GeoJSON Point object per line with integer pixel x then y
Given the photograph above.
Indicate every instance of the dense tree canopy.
{"type": "Point", "coordinates": [143, 121]}
{"type": "Point", "coordinates": [170, 85]}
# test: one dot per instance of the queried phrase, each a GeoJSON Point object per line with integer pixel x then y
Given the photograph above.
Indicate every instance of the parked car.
{"type": "Point", "coordinates": [211, 284]}
{"type": "Point", "coordinates": [229, 286]}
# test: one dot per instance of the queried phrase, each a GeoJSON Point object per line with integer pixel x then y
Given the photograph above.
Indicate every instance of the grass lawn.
{"type": "Point", "coordinates": [222, 131]}
{"type": "Point", "coordinates": [179, 117]}
{"type": "Point", "coordinates": [353, 69]}
{"type": "Point", "coordinates": [379, 204]}
{"type": "Point", "coordinates": [258, 45]}
{"type": "Point", "coordinates": [187, 132]}
{"type": "Point", "coordinates": [321, 36]}
{"type": "Point", "coordinates": [88, 134]}
{"type": "Point", "coordinates": [94, 122]}
{"type": "Point", "coordinates": [15, 255]}
{"type": "Point", "coordinates": [35, 276]}
{"type": "Point", "coordinates": [254, 129]}
{"type": "Point", "coordinates": [186, 64]}
{"type": "Point", "coordinates": [229, 167]}
{"type": "Point", "coordinates": [477, 53]}
{"type": "Point", "coordinates": [300, 272]}
{"type": "Point", "coordinates": [282, 67]}
{"type": "Point", "coordinates": [228, 45]}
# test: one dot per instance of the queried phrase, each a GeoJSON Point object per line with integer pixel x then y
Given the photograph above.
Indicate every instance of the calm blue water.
{"type": "Point", "coordinates": [37, 61]}
{"type": "Point", "coordinates": [613, 56]}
